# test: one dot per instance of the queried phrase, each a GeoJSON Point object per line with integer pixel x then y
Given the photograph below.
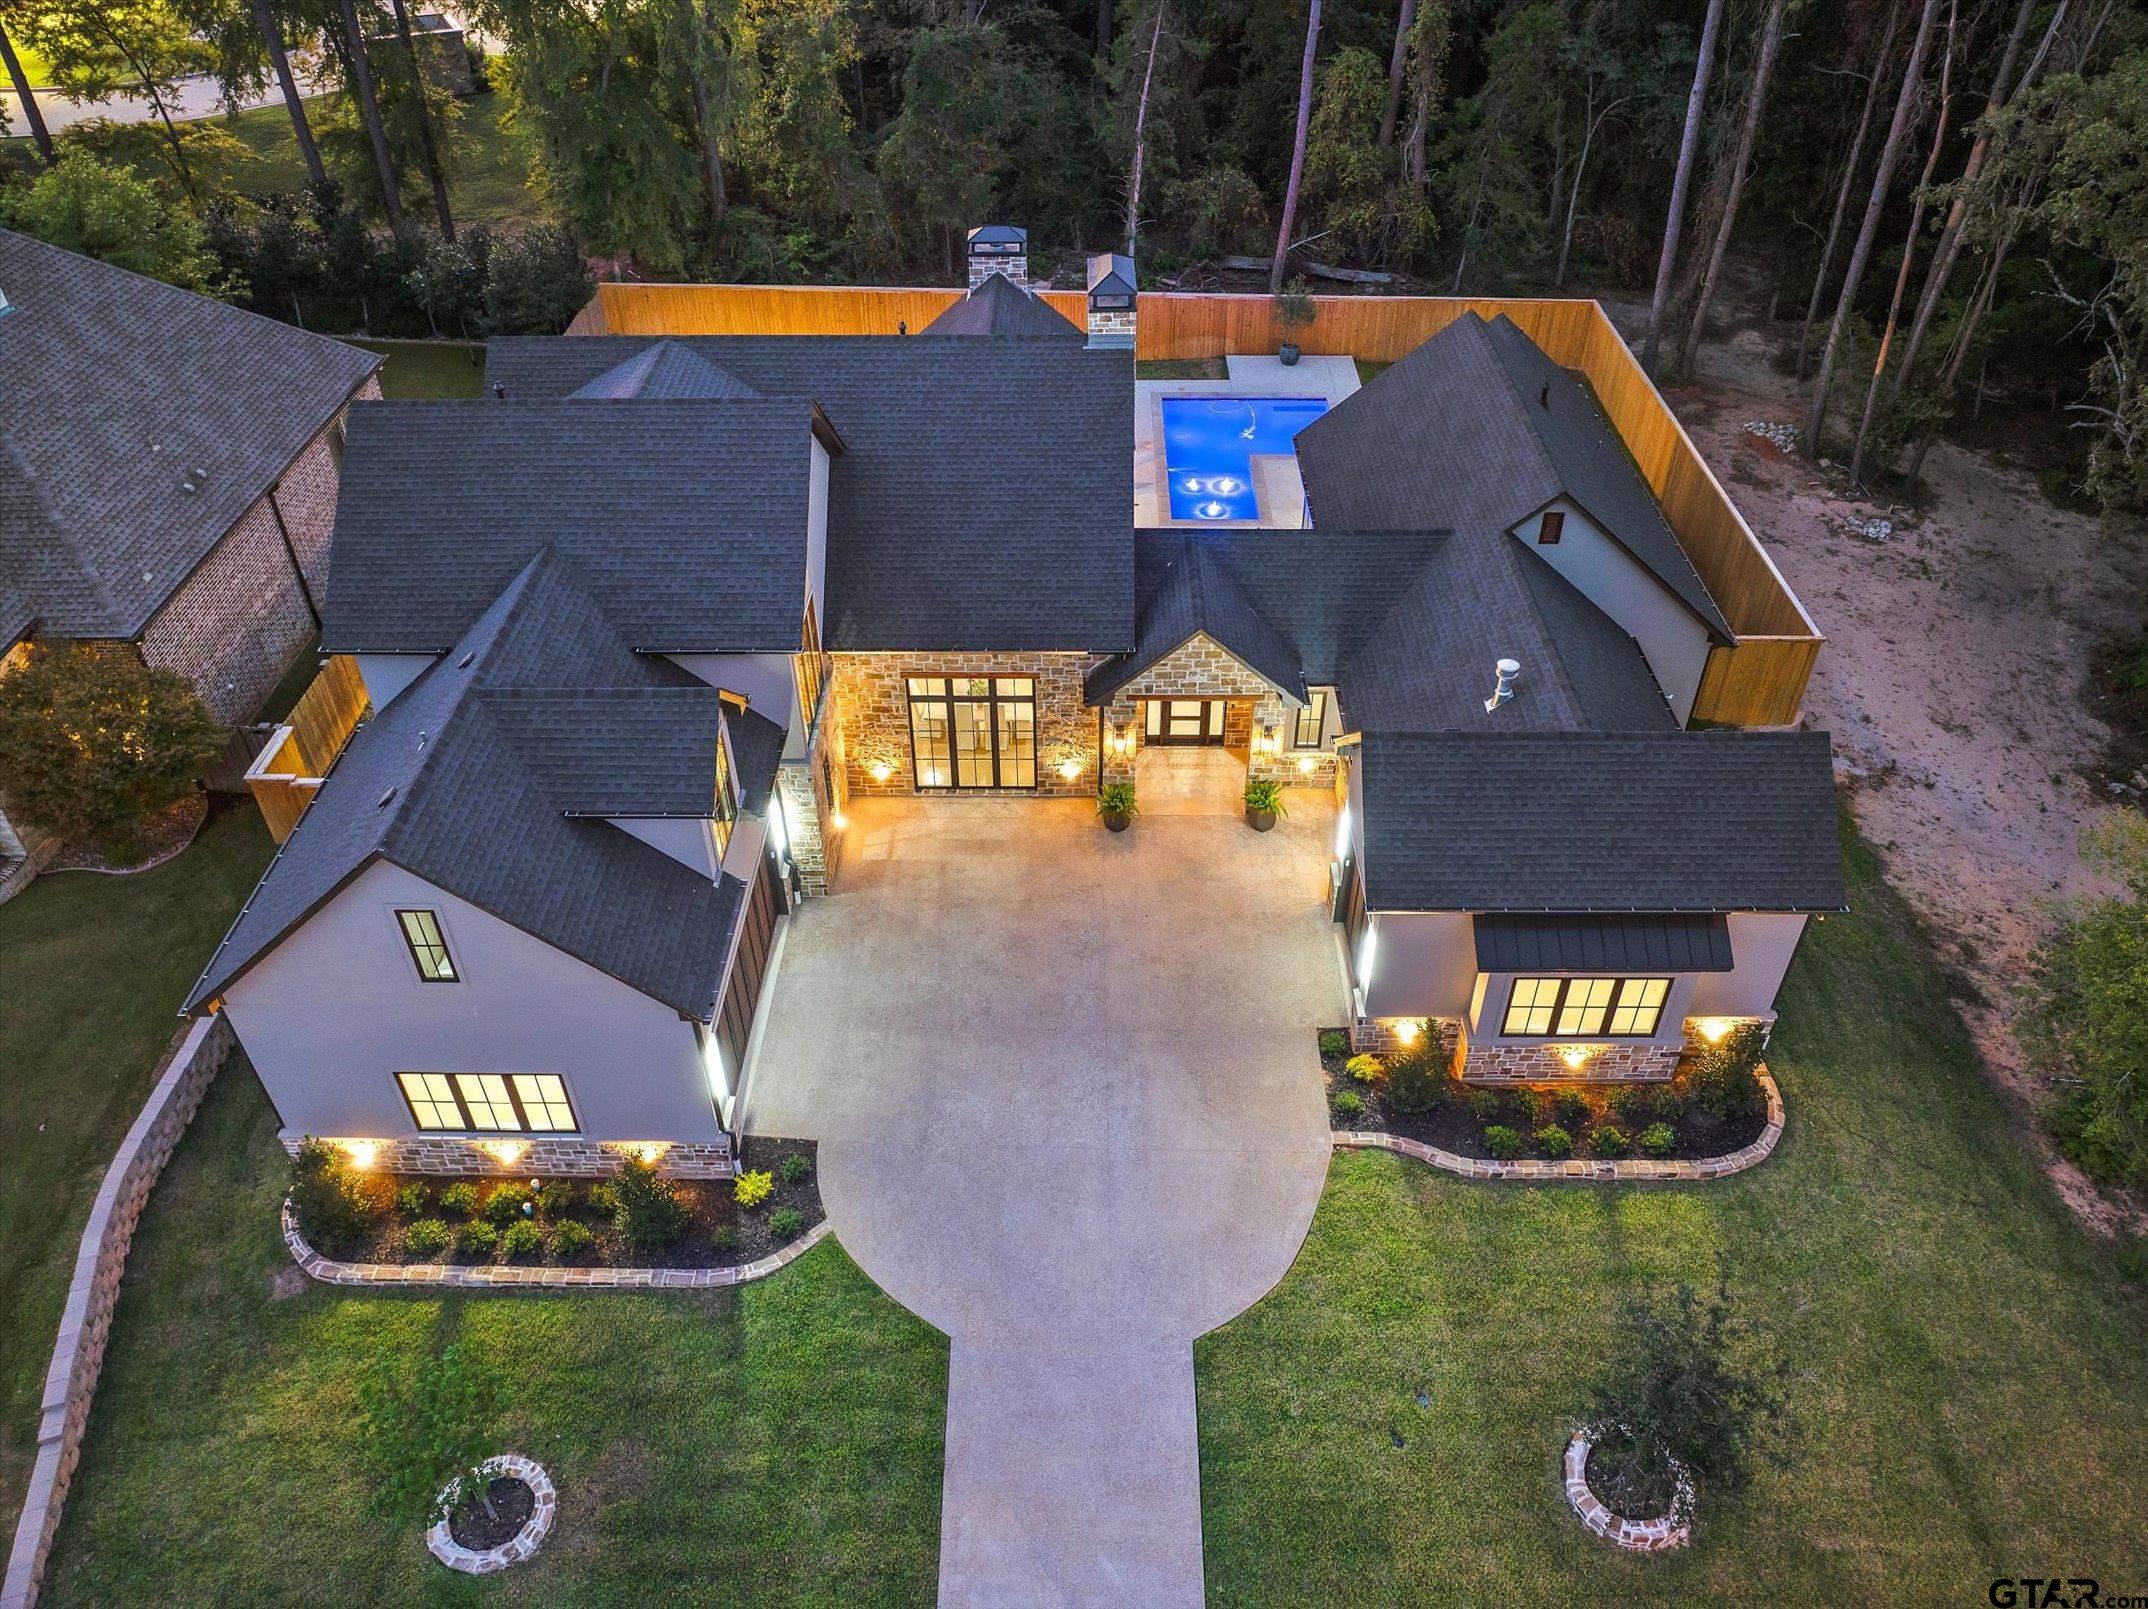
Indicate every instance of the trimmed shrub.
{"type": "Point", "coordinates": [461, 1198]}
{"type": "Point", "coordinates": [1720, 1077]}
{"type": "Point", "coordinates": [1366, 1069]}
{"type": "Point", "coordinates": [1570, 1110]}
{"type": "Point", "coordinates": [410, 1199]}
{"type": "Point", "coordinates": [568, 1241]}
{"type": "Point", "coordinates": [1665, 1104]}
{"type": "Point", "coordinates": [1554, 1141]}
{"type": "Point", "coordinates": [334, 1205]}
{"type": "Point", "coordinates": [555, 1200]}
{"type": "Point", "coordinates": [602, 1199]}
{"type": "Point", "coordinates": [785, 1222]}
{"type": "Point", "coordinates": [1626, 1104]}
{"type": "Point", "coordinates": [1485, 1105]}
{"type": "Point", "coordinates": [650, 1215]}
{"type": "Point", "coordinates": [523, 1242]}
{"type": "Point", "coordinates": [476, 1241]}
{"type": "Point", "coordinates": [1502, 1142]}
{"type": "Point", "coordinates": [1347, 1103]}
{"type": "Point", "coordinates": [427, 1238]}
{"type": "Point", "coordinates": [1609, 1140]}
{"type": "Point", "coordinates": [753, 1187]}
{"type": "Point", "coordinates": [724, 1237]}
{"type": "Point", "coordinates": [795, 1167]}
{"type": "Point", "coordinates": [1416, 1081]}
{"type": "Point", "coordinates": [1333, 1041]}
{"type": "Point", "coordinates": [504, 1206]}
{"type": "Point", "coordinates": [1658, 1140]}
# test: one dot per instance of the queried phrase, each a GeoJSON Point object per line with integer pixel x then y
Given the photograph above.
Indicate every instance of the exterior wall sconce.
{"type": "Point", "coordinates": [1271, 740]}
{"type": "Point", "coordinates": [1122, 741]}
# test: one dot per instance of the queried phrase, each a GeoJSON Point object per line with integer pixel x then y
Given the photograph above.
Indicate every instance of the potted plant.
{"type": "Point", "coordinates": [1293, 310]}
{"type": "Point", "coordinates": [1115, 803]}
{"type": "Point", "coordinates": [1264, 802]}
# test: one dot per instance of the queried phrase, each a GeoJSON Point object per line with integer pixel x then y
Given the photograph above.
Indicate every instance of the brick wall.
{"type": "Point", "coordinates": [234, 626]}
{"type": "Point", "coordinates": [86, 1319]}
{"type": "Point", "coordinates": [541, 1157]}
{"type": "Point", "coordinates": [873, 714]}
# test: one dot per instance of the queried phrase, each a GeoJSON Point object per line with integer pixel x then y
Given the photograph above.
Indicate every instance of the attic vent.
{"type": "Point", "coordinates": [386, 799]}
{"type": "Point", "coordinates": [1543, 397]}
{"type": "Point", "coordinates": [195, 479]}
{"type": "Point", "coordinates": [1503, 689]}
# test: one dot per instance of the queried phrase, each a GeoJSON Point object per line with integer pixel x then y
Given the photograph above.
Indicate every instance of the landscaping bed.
{"type": "Point", "coordinates": [1713, 1106]}
{"type": "Point", "coordinates": [513, 1502]}
{"type": "Point", "coordinates": [635, 1219]}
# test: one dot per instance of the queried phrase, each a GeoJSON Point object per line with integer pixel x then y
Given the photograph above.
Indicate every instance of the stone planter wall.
{"type": "Point", "coordinates": [441, 1540]}
{"type": "Point", "coordinates": [86, 1320]}
{"type": "Point", "coordinates": [1589, 1168]}
{"type": "Point", "coordinates": [509, 1276]}
{"type": "Point", "coordinates": [1673, 1530]}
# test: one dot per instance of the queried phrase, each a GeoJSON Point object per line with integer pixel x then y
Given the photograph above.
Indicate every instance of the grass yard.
{"type": "Point", "coordinates": [489, 185]}
{"type": "Point", "coordinates": [1971, 1380]}
{"type": "Point", "coordinates": [778, 1443]}
{"type": "Point", "coordinates": [429, 369]}
{"type": "Point", "coordinates": [92, 970]}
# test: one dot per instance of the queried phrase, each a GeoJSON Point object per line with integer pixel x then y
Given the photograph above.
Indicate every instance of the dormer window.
{"type": "Point", "coordinates": [1551, 528]}
{"type": "Point", "coordinates": [428, 946]}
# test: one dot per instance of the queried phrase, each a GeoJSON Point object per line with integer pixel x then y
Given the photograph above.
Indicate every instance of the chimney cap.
{"type": "Point", "coordinates": [1111, 273]}
{"type": "Point", "coordinates": [998, 240]}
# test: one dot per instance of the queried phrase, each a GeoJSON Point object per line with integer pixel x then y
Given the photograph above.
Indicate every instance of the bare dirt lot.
{"type": "Point", "coordinates": [1952, 680]}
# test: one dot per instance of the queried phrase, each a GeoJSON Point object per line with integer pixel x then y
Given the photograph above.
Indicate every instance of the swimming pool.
{"type": "Point", "coordinates": [1209, 443]}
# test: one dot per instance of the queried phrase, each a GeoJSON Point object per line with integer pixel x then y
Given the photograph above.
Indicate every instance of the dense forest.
{"type": "Point", "coordinates": [1941, 201]}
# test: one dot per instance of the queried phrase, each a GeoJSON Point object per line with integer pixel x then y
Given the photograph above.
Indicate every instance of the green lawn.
{"type": "Point", "coordinates": [1972, 1383]}
{"type": "Point", "coordinates": [778, 1443]}
{"type": "Point", "coordinates": [92, 970]}
{"type": "Point", "coordinates": [490, 183]}
{"type": "Point", "coordinates": [430, 368]}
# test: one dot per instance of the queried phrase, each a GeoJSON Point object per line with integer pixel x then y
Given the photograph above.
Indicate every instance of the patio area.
{"type": "Point", "coordinates": [1280, 493]}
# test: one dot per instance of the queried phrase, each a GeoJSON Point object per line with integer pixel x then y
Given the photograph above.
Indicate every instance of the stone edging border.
{"type": "Point", "coordinates": [1594, 1169]}
{"type": "Point", "coordinates": [1673, 1530]}
{"type": "Point", "coordinates": [516, 1548]}
{"type": "Point", "coordinates": [493, 1276]}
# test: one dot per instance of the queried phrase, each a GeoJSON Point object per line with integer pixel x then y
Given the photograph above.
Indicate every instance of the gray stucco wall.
{"type": "Point", "coordinates": [1672, 640]}
{"type": "Point", "coordinates": [387, 675]}
{"type": "Point", "coordinates": [335, 1011]}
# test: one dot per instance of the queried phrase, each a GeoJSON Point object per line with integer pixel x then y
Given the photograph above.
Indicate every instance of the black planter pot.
{"type": "Point", "coordinates": [1288, 352]}
{"type": "Point", "coordinates": [1259, 820]}
{"type": "Point", "coordinates": [1117, 823]}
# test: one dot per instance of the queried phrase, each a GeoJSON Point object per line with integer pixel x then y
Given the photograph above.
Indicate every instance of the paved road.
{"type": "Point", "coordinates": [1070, 1112]}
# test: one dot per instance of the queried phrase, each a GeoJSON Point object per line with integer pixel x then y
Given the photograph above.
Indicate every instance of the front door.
{"type": "Point", "coordinates": [1185, 720]}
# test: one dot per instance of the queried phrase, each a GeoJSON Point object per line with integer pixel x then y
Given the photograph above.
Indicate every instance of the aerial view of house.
{"type": "Point", "coordinates": [1119, 805]}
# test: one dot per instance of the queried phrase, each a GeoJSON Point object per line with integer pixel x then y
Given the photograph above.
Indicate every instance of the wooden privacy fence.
{"type": "Point", "coordinates": [287, 773]}
{"type": "Point", "coordinates": [1760, 682]}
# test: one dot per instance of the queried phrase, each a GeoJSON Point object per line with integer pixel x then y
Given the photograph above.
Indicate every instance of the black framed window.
{"type": "Point", "coordinates": [812, 667]}
{"type": "Point", "coordinates": [489, 1103]}
{"type": "Point", "coordinates": [428, 946]}
{"type": "Point", "coordinates": [726, 795]}
{"type": "Point", "coordinates": [973, 731]}
{"type": "Point", "coordinates": [1312, 720]}
{"type": "Point", "coordinates": [1593, 1008]}
{"type": "Point", "coordinates": [1550, 528]}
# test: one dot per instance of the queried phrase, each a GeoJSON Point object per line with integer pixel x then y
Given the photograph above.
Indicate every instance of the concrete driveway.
{"type": "Point", "coordinates": [1070, 1110]}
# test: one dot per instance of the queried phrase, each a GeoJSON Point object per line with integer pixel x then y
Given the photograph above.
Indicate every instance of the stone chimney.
{"type": "Point", "coordinates": [999, 248]}
{"type": "Point", "coordinates": [1111, 301]}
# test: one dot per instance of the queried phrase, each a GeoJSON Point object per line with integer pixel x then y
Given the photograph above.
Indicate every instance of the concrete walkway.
{"type": "Point", "coordinates": [1070, 1113]}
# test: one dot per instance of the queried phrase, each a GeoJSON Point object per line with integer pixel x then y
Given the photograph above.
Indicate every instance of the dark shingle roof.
{"type": "Point", "coordinates": [686, 519]}
{"type": "Point", "coordinates": [981, 502]}
{"type": "Point", "coordinates": [1580, 821]}
{"type": "Point", "coordinates": [1639, 942]}
{"type": "Point", "coordinates": [1184, 592]}
{"type": "Point", "coordinates": [998, 306]}
{"type": "Point", "coordinates": [117, 390]}
{"type": "Point", "coordinates": [460, 782]}
{"type": "Point", "coordinates": [617, 751]}
{"type": "Point", "coordinates": [665, 370]}
{"type": "Point", "coordinates": [1476, 430]}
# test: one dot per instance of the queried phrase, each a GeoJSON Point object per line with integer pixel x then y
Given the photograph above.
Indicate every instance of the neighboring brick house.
{"type": "Point", "coordinates": [863, 566]}
{"type": "Point", "coordinates": [168, 472]}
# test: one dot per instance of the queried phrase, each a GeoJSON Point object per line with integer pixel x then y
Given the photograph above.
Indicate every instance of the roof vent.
{"type": "Point", "coordinates": [1503, 688]}
{"type": "Point", "coordinates": [464, 662]}
{"type": "Point", "coordinates": [1543, 397]}
{"type": "Point", "coordinates": [387, 799]}
{"type": "Point", "coordinates": [499, 391]}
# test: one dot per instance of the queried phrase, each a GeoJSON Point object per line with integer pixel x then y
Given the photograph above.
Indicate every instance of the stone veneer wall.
{"type": "Point", "coordinates": [86, 1319]}
{"type": "Point", "coordinates": [1533, 1063]}
{"type": "Point", "coordinates": [1381, 1036]}
{"type": "Point", "coordinates": [234, 626]}
{"type": "Point", "coordinates": [1198, 668]}
{"type": "Point", "coordinates": [1111, 327]}
{"type": "Point", "coordinates": [542, 1157]}
{"type": "Point", "coordinates": [873, 704]}
{"type": "Point", "coordinates": [1015, 267]}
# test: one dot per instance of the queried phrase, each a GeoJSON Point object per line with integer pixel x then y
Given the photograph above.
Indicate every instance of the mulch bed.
{"type": "Point", "coordinates": [1455, 1124]}
{"type": "Point", "coordinates": [513, 1503]}
{"type": "Point", "coordinates": [166, 834]}
{"type": "Point", "coordinates": [1628, 1497]}
{"type": "Point", "coordinates": [718, 1234]}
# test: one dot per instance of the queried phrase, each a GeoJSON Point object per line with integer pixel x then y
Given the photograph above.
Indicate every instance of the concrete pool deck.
{"type": "Point", "coordinates": [1275, 476]}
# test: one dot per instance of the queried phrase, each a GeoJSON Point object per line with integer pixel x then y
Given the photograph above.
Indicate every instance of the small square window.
{"type": "Point", "coordinates": [1551, 528]}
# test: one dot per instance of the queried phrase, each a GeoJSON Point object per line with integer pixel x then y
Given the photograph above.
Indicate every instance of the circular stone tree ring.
{"type": "Point", "coordinates": [544, 1507]}
{"type": "Point", "coordinates": [1672, 1530]}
